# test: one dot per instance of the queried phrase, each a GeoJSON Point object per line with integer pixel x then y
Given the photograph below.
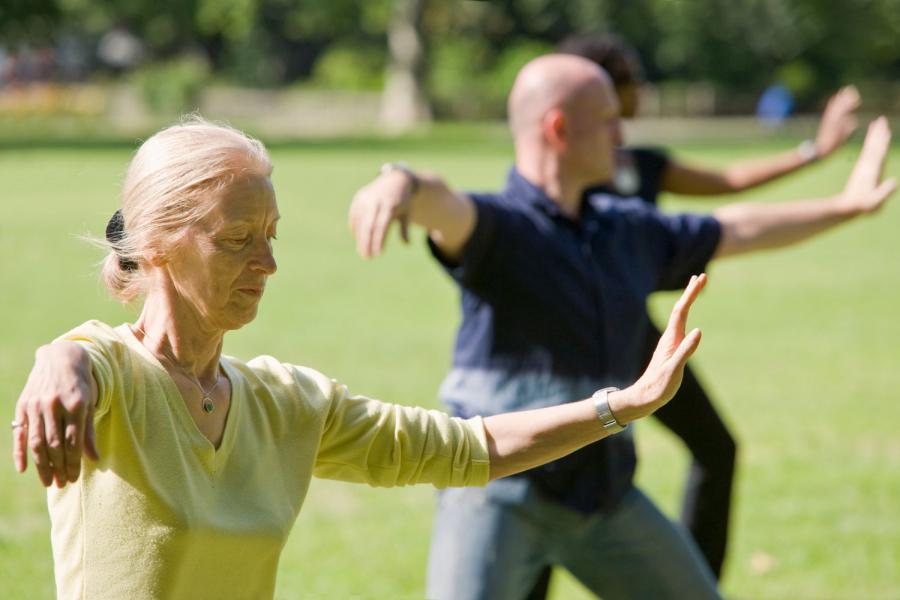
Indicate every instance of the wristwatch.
{"type": "Point", "coordinates": [808, 151]}
{"type": "Point", "coordinates": [601, 405]}
{"type": "Point", "coordinates": [403, 168]}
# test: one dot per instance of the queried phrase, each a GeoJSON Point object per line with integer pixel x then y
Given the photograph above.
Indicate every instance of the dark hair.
{"type": "Point", "coordinates": [616, 56]}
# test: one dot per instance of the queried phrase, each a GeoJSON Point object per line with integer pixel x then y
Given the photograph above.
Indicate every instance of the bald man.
{"type": "Point", "coordinates": [554, 285]}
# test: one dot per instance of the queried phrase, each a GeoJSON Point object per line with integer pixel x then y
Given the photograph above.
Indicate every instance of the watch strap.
{"type": "Point", "coordinates": [604, 414]}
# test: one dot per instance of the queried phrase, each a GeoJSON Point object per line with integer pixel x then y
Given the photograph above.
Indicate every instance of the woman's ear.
{"type": "Point", "coordinates": [156, 257]}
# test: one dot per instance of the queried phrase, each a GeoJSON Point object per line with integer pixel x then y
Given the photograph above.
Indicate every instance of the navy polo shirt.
{"type": "Point", "coordinates": [554, 309]}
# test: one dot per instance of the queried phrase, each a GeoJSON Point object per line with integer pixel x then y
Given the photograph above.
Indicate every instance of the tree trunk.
{"type": "Point", "coordinates": [404, 103]}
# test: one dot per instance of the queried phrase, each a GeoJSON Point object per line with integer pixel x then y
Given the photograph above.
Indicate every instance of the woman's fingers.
{"type": "Point", "coordinates": [90, 444]}
{"type": "Point", "coordinates": [686, 348]}
{"type": "Point", "coordinates": [678, 317]}
{"type": "Point", "coordinates": [53, 435]}
{"type": "Point", "coordinates": [20, 439]}
{"type": "Point", "coordinates": [38, 445]}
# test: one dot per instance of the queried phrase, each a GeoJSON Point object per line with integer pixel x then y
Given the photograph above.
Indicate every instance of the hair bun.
{"type": "Point", "coordinates": [115, 231]}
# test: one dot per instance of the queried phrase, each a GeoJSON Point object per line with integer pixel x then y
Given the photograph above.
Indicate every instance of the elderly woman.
{"type": "Point", "coordinates": [201, 461]}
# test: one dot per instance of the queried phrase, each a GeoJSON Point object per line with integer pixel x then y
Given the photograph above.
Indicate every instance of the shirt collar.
{"type": "Point", "coordinates": [521, 190]}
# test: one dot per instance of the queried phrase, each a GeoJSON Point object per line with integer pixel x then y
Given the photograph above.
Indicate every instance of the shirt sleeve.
{"type": "Point", "coordinates": [481, 247]}
{"type": "Point", "coordinates": [683, 246]}
{"type": "Point", "coordinates": [100, 342]}
{"type": "Point", "coordinates": [367, 441]}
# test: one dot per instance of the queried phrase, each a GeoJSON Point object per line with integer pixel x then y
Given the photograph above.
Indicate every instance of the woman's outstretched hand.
{"type": "Point", "coordinates": [54, 414]}
{"type": "Point", "coordinates": [663, 375]}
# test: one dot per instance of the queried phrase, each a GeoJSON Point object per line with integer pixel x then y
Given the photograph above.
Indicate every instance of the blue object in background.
{"type": "Point", "coordinates": [775, 105]}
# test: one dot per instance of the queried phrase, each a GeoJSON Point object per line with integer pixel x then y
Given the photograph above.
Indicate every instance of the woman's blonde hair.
{"type": "Point", "coordinates": [170, 176]}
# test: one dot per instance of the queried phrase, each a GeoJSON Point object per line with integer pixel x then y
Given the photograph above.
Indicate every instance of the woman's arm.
{"type": "Point", "coordinates": [522, 440]}
{"type": "Point", "coordinates": [838, 122]}
{"type": "Point", "coordinates": [54, 414]}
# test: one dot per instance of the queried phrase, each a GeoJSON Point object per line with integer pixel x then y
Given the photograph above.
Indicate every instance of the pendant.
{"type": "Point", "coordinates": [208, 405]}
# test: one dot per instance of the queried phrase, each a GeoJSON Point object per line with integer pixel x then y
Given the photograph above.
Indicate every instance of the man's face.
{"type": "Point", "coordinates": [594, 132]}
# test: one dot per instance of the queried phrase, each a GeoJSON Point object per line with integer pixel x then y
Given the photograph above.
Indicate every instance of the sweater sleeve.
{"type": "Point", "coordinates": [105, 351]}
{"type": "Point", "coordinates": [383, 444]}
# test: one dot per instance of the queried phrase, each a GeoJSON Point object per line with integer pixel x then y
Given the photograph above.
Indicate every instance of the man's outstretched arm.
{"type": "Point", "coordinates": [406, 197]}
{"type": "Point", "coordinates": [748, 227]}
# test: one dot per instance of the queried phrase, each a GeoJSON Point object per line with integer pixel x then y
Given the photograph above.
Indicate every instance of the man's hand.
{"type": "Point", "coordinates": [54, 415]}
{"type": "Point", "coordinates": [663, 375]}
{"type": "Point", "coordinates": [838, 120]}
{"type": "Point", "coordinates": [865, 192]}
{"type": "Point", "coordinates": [376, 206]}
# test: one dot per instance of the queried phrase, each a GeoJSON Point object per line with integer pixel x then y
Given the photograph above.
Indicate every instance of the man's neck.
{"type": "Point", "coordinates": [547, 173]}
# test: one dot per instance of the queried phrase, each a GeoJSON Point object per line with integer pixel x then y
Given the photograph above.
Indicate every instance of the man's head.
{"type": "Point", "coordinates": [564, 107]}
{"type": "Point", "coordinates": [615, 56]}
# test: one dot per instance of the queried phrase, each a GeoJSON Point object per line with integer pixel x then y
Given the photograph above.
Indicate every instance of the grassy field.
{"type": "Point", "coordinates": [800, 348]}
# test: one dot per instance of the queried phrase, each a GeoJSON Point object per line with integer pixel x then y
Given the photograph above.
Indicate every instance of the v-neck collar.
{"type": "Point", "coordinates": [212, 458]}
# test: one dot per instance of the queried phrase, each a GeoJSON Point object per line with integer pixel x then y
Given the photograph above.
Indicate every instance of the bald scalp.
{"type": "Point", "coordinates": [548, 82]}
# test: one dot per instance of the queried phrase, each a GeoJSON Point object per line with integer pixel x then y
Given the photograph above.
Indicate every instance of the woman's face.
{"type": "Point", "coordinates": [220, 268]}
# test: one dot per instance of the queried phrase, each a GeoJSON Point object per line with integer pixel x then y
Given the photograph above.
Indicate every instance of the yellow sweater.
{"type": "Point", "coordinates": [164, 514]}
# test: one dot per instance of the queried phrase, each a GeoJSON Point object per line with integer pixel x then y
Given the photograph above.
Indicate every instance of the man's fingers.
{"type": "Point", "coordinates": [380, 228]}
{"type": "Point", "coordinates": [404, 229]}
{"type": "Point", "coordinates": [850, 95]}
{"type": "Point", "coordinates": [878, 136]}
{"type": "Point", "coordinates": [20, 440]}
{"type": "Point", "coordinates": [364, 232]}
{"type": "Point", "coordinates": [884, 191]}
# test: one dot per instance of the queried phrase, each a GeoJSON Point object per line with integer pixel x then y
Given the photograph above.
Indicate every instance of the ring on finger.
{"type": "Point", "coordinates": [17, 424]}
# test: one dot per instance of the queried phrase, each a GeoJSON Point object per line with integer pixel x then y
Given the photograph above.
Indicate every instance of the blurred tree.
{"type": "Point", "coordinates": [404, 102]}
{"type": "Point", "coordinates": [738, 47]}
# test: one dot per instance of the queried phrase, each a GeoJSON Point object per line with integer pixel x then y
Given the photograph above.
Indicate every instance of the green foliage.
{"type": "Point", "coordinates": [233, 19]}
{"type": "Point", "coordinates": [511, 59]}
{"type": "Point", "coordinates": [799, 77]}
{"type": "Point", "coordinates": [174, 86]}
{"type": "Point", "coordinates": [452, 80]}
{"type": "Point", "coordinates": [346, 67]}
{"type": "Point", "coordinates": [738, 47]}
{"type": "Point", "coordinates": [465, 80]}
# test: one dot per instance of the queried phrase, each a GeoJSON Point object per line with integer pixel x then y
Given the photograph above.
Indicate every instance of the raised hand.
{"type": "Point", "coordinates": [54, 414]}
{"type": "Point", "coordinates": [376, 206]}
{"type": "Point", "coordinates": [663, 375]}
{"type": "Point", "coordinates": [838, 120]}
{"type": "Point", "coordinates": [864, 191]}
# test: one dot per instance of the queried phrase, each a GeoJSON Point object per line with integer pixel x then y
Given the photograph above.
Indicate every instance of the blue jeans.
{"type": "Point", "coordinates": [492, 543]}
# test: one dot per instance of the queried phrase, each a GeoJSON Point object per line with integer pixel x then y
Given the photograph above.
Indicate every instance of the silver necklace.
{"type": "Point", "coordinates": [206, 403]}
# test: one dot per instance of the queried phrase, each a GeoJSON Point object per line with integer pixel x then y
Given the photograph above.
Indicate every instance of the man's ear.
{"type": "Point", "coordinates": [554, 127]}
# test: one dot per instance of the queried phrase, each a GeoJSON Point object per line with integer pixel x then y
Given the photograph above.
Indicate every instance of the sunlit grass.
{"type": "Point", "coordinates": [800, 350]}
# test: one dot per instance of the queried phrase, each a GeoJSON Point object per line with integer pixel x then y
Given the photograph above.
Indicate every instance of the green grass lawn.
{"type": "Point", "coordinates": [800, 348]}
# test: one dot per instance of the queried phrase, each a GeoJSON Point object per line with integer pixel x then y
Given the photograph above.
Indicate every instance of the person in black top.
{"type": "Point", "coordinates": [644, 172]}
